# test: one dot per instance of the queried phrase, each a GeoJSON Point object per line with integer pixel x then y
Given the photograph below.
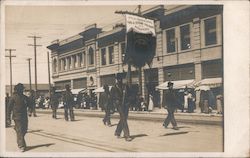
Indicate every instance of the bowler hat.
{"type": "Point", "coordinates": [170, 84]}
{"type": "Point", "coordinates": [19, 86]}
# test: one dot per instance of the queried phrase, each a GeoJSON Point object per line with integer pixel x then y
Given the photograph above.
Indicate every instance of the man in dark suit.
{"type": "Point", "coordinates": [54, 102]}
{"type": "Point", "coordinates": [32, 100]}
{"type": "Point", "coordinates": [105, 101]}
{"type": "Point", "coordinates": [119, 102]}
{"type": "Point", "coordinates": [68, 104]}
{"type": "Point", "coordinates": [171, 103]}
{"type": "Point", "coordinates": [19, 104]}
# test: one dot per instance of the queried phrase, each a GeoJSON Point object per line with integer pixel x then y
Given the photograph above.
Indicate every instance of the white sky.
{"type": "Point", "coordinates": [50, 23]}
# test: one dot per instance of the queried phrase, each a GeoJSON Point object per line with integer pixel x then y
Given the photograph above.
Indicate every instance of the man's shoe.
{"type": "Point", "coordinates": [117, 135]}
{"type": "Point", "coordinates": [104, 122]}
{"type": "Point", "coordinates": [109, 125]}
{"type": "Point", "coordinates": [175, 128]}
{"type": "Point", "coordinates": [128, 139]}
{"type": "Point", "coordinates": [22, 149]}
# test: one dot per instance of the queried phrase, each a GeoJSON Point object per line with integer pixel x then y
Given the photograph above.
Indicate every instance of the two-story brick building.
{"type": "Point", "coordinates": [189, 47]}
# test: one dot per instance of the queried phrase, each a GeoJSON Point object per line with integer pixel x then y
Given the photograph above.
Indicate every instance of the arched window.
{"type": "Point", "coordinates": [54, 65]}
{"type": "Point", "coordinates": [91, 56]}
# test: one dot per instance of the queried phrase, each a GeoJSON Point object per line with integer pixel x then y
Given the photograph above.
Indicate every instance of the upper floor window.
{"type": "Point", "coordinates": [91, 56]}
{"type": "Point", "coordinates": [103, 56]}
{"type": "Point", "coordinates": [111, 55]}
{"type": "Point", "coordinates": [210, 31]}
{"type": "Point", "coordinates": [64, 64]}
{"type": "Point", "coordinates": [59, 65]}
{"type": "Point", "coordinates": [69, 63]}
{"type": "Point", "coordinates": [170, 40]}
{"type": "Point", "coordinates": [80, 59]}
{"type": "Point", "coordinates": [75, 61]}
{"type": "Point", "coordinates": [123, 51]}
{"type": "Point", "coordinates": [185, 37]}
{"type": "Point", "coordinates": [54, 65]}
{"type": "Point", "coordinates": [84, 59]}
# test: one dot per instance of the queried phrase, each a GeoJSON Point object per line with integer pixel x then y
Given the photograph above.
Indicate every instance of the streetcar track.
{"type": "Point", "coordinates": [105, 147]}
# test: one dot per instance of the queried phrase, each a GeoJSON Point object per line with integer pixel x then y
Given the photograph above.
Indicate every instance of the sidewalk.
{"type": "Point", "coordinates": [156, 115]}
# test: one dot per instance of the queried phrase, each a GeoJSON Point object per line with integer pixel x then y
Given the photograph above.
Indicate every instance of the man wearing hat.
{"type": "Point", "coordinates": [68, 101]}
{"type": "Point", "coordinates": [54, 102]}
{"type": "Point", "coordinates": [117, 98]}
{"type": "Point", "coordinates": [19, 104]}
{"type": "Point", "coordinates": [171, 102]}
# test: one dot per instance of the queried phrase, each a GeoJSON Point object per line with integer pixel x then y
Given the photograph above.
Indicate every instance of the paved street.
{"type": "Point", "coordinates": [88, 134]}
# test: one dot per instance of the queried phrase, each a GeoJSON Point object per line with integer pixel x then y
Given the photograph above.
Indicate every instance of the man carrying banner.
{"type": "Point", "coordinates": [117, 97]}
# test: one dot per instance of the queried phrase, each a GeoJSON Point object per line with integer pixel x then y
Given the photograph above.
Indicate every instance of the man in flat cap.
{"type": "Point", "coordinates": [68, 101]}
{"type": "Point", "coordinates": [171, 102]}
{"type": "Point", "coordinates": [19, 104]}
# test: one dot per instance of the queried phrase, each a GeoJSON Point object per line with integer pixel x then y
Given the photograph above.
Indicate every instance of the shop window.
{"type": "Point", "coordinates": [185, 37]}
{"type": "Point", "coordinates": [212, 69]}
{"type": "Point", "coordinates": [170, 40]}
{"type": "Point", "coordinates": [210, 31]}
{"type": "Point", "coordinates": [103, 56]}
{"type": "Point", "coordinates": [111, 55]}
{"type": "Point", "coordinates": [91, 56]}
{"type": "Point", "coordinates": [180, 72]}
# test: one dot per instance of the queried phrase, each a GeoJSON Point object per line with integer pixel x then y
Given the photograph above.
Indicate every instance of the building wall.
{"type": "Point", "coordinates": [192, 60]}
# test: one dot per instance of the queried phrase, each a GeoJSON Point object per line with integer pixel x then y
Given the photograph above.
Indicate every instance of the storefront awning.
{"type": "Point", "coordinates": [76, 91]}
{"type": "Point", "coordinates": [100, 89]}
{"type": "Point", "coordinates": [211, 82]}
{"type": "Point", "coordinates": [177, 84]}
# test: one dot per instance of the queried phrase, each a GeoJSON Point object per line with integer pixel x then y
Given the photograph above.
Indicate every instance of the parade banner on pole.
{"type": "Point", "coordinates": [140, 24]}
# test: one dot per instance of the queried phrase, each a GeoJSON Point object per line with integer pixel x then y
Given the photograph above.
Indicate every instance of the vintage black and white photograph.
{"type": "Point", "coordinates": [111, 78]}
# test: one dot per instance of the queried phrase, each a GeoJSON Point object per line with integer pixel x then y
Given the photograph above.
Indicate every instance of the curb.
{"type": "Point", "coordinates": [190, 119]}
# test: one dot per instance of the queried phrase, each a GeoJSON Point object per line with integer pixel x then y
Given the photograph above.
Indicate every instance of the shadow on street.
{"type": "Point", "coordinates": [33, 131]}
{"type": "Point", "coordinates": [175, 133]}
{"type": "Point", "coordinates": [138, 135]}
{"type": "Point", "coordinates": [38, 146]}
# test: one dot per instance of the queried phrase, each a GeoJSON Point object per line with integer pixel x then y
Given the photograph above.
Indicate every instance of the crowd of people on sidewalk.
{"type": "Point", "coordinates": [120, 98]}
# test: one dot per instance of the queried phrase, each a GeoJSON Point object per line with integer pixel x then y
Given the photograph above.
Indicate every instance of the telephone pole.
{"type": "Point", "coordinates": [29, 73]}
{"type": "Point", "coordinates": [10, 57]}
{"type": "Point", "coordinates": [35, 45]}
{"type": "Point", "coordinates": [49, 76]}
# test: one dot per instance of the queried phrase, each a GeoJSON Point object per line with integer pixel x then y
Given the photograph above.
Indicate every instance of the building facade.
{"type": "Point", "coordinates": [189, 45]}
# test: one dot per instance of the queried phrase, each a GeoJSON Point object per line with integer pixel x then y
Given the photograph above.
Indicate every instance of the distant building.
{"type": "Point", "coordinates": [42, 89]}
{"type": "Point", "coordinates": [189, 47]}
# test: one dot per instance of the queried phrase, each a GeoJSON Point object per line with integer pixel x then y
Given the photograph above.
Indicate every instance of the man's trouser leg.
{"type": "Point", "coordinates": [71, 113]}
{"type": "Point", "coordinates": [120, 123]}
{"type": "Point", "coordinates": [34, 110]}
{"type": "Point", "coordinates": [21, 129]}
{"type": "Point", "coordinates": [168, 118]}
{"type": "Point", "coordinates": [7, 116]}
{"type": "Point", "coordinates": [66, 112]}
{"type": "Point", "coordinates": [173, 121]}
{"type": "Point", "coordinates": [125, 124]}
